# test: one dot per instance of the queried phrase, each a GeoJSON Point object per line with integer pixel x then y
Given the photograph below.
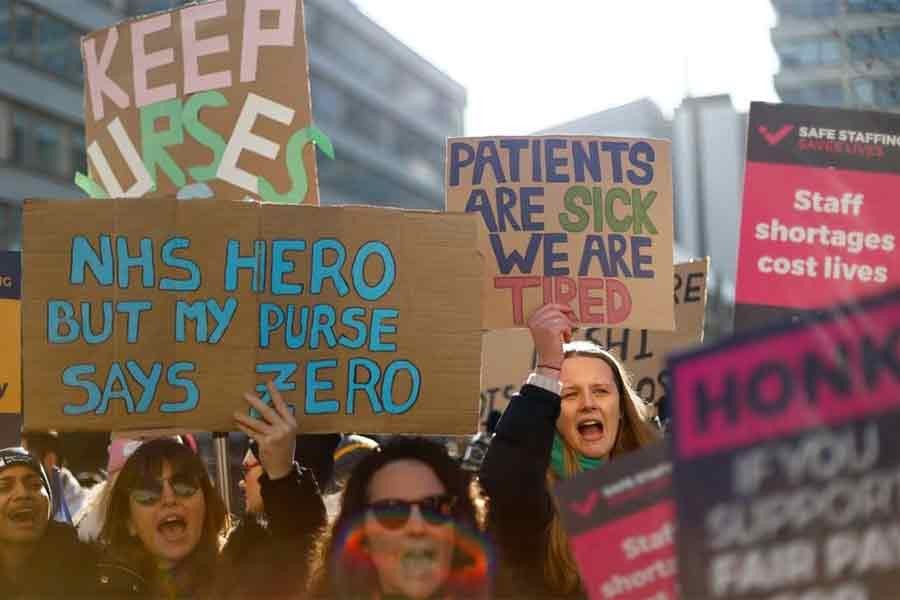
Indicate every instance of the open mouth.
{"type": "Point", "coordinates": [591, 430]}
{"type": "Point", "coordinates": [172, 528]}
{"type": "Point", "coordinates": [418, 561]}
{"type": "Point", "coordinates": [23, 516]}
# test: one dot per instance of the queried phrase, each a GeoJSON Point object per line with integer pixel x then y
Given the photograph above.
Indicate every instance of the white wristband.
{"type": "Point", "coordinates": [547, 383]}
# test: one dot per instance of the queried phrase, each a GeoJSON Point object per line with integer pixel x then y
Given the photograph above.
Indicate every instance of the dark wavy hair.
{"type": "Point", "coordinates": [198, 570]}
{"type": "Point", "coordinates": [345, 569]}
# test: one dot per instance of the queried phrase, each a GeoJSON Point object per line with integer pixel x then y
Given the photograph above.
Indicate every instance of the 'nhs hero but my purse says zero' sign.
{"type": "Point", "coordinates": [576, 220]}
{"type": "Point", "coordinates": [215, 93]}
{"type": "Point", "coordinates": [147, 313]}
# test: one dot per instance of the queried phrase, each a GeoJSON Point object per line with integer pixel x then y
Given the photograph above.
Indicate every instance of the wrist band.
{"type": "Point", "coordinates": [543, 366]}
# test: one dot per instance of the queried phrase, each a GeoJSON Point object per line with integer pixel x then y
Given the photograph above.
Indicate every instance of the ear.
{"type": "Point", "coordinates": [132, 530]}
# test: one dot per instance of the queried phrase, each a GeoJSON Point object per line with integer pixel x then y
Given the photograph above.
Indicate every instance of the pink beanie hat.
{"type": "Point", "coordinates": [120, 449]}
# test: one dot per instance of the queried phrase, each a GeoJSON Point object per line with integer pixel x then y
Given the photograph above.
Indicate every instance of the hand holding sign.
{"type": "Point", "coordinates": [551, 325]}
{"type": "Point", "coordinates": [276, 432]}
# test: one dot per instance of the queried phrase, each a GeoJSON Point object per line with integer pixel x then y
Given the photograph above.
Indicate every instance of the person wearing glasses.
{"type": "Point", "coordinates": [407, 528]}
{"type": "Point", "coordinates": [166, 524]}
{"type": "Point", "coordinates": [576, 411]}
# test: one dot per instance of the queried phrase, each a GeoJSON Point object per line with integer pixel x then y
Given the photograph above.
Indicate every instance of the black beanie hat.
{"type": "Point", "coordinates": [18, 456]}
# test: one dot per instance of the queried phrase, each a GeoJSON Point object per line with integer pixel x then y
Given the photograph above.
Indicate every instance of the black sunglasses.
{"type": "Point", "coordinates": [150, 491]}
{"type": "Point", "coordinates": [394, 514]}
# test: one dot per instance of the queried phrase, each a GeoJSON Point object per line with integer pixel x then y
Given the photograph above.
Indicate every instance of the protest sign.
{"type": "Point", "coordinates": [158, 313]}
{"type": "Point", "coordinates": [820, 221]}
{"type": "Point", "coordinates": [10, 333]}
{"type": "Point", "coordinates": [507, 359]}
{"type": "Point", "coordinates": [583, 221]}
{"type": "Point", "coordinates": [509, 354]}
{"type": "Point", "coordinates": [787, 462]}
{"type": "Point", "coordinates": [213, 94]}
{"type": "Point", "coordinates": [620, 520]}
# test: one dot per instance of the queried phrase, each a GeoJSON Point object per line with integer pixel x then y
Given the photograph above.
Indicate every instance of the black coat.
{"type": "Point", "coordinates": [257, 561]}
{"type": "Point", "coordinates": [271, 558]}
{"type": "Point", "coordinates": [60, 567]}
{"type": "Point", "coordinates": [514, 477]}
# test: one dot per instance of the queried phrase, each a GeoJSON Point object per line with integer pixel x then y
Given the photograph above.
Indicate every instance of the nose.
{"type": "Point", "coordinates": [416, 523]}
{"type": "Point", "coordinates": [588, 401]}
{"type": "Point", "coordinates": [168, 494]}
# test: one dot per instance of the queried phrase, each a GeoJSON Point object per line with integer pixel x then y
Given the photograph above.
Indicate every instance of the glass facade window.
{"type": "Point", "coordinates": [79, 155]}
{"type": "Point", "coordinates": [821, 95]}
{"type": "Point", "coordinates": [23, 32]}
{"type": "Point", "coordinates": [873, 6]}
{"type": "Point", "coordinates": [327, 101]}
{"type": "Point", "coordinates": [19, 132]}
{"type": "Point", "coordinates": [44, 144]}
{"type": "Point", "coordinates": [810, 52]}
{"type": "Point", "coordinates": [881, 43]}
{"type": "Point", "coordinates": [10, 226]}
{"type": "Point", "coordinates": [362, 121]}
{"type": "Point", "coordinates": [47, 146]}
{"type": "Point", "coordinates": [805, 9]}
{"type": "Point", "coordinates": [40, 39]}
{"type": "Point", "coordinates": [5, 27]}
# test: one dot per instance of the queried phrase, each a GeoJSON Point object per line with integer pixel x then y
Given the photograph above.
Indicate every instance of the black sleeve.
{"type": "Point", "coordinates": [294, 506]}
{"type": "Point", "coordinates": [514, 475]}
{"type": "Point", "coordinates": [274, 563]}
{"type": "Point", "coordinates": [315, 451]}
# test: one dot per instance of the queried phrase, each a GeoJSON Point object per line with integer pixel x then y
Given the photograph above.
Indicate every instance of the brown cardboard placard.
{"type": "Point", "coordinates": [215, 93]}
{"type": "Point", "coordinates": [508, 354]}
{"type": "Point", "coordinates": [10, 334]}
{"type": "Point", "coordinates": [355, 286]}
{"type": "Point", "coordinates": [578, 220]}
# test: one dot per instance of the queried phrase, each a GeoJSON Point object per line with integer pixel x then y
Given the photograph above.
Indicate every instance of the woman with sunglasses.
{"type": "Point", "coordinates": [576, 411]}
{"type": "Point", "coordinates": [166, 524]}
{"type": "Point", "coordinates": [407, 529]}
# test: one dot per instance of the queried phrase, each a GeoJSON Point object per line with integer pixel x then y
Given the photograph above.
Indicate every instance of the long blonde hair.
{"type": "Point", "coordinates": [560, 571]}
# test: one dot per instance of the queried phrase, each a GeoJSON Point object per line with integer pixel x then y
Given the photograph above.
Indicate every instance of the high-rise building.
{"type": "Point", "coordinates": [386, 109]}
{"type": "Point", "coordinates": [839, 52]}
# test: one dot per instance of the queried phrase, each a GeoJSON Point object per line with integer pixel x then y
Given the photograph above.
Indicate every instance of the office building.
{"type": "Point", "coordinates": [839, 53]}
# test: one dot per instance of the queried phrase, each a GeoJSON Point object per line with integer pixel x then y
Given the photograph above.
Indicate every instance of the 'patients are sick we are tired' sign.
{"type": "Point", "coordinates": [575, 220]}
{"type": "Point", "coordinates": [215, 94]}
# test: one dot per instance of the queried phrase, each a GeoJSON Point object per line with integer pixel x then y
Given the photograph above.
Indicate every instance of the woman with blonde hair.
{"type": "Point", "coordinates": [576, 411]}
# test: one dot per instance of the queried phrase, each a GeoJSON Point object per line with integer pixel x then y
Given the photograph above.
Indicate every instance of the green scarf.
{"type": "Point", "coordinates": [558, 462]}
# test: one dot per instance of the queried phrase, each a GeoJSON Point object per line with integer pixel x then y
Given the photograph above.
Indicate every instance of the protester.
{"type": "Point", "coordinates": [407, 529]}
{"type": "Point", "coordinates": [260, 530]}
{"type": "Point", "coordinates": [90, 518]}
{"type": "Point", "coordinates": [39, 558]}
{"type": "Point", "coordinates": [68, 495]}
{"type": "Point", "coordinates": [576, 411]}
{"type": "Point", "coordinates": [166, 524]}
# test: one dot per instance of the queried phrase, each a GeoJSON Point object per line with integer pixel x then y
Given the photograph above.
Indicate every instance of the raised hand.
{"type": "Point", "coordinates": [275, 432]}
{"type": "Point", "coordinates": [551, 325]}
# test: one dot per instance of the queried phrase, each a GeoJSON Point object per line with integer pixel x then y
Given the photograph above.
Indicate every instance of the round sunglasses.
{"type": "Point", "coordinates": [150, 492]}
{"type": "Point", "coordinates": [395, 514]}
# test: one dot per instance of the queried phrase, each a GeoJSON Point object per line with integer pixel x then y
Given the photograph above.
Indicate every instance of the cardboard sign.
{"type": "Point", "coordinates": [159, 313]}
{"type": "Point", "coordinates": [507, 359]}
{"type": "Point", "coordinates": [509, 354]}
{"type": "Point", "coordinates": [820, 214]}
{"type": "Point", "coordinates": [620, 520]}
{"type": "Point", "coordinates": [10, 333]}
{"type": "Point", "coordinates": [787, 459]}
{"type": "Point", "coordinates": [213, 94]}
{"type": "Point", "coordinates": [583, 221]}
